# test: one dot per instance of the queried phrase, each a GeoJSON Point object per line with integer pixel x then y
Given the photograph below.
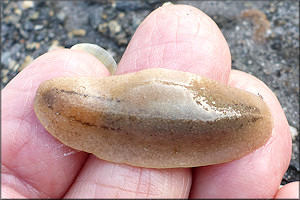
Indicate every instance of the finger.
{"type": "Point", "coordinates": [103, 179]}
{"type": "Point", "coordinates": [257, 175]}
{"type": "Point", "coordinates": [176, 37]}
{"type": "Point", "coordinates": [34, 164]}
{"type": "Point", "coordinates": [288, 191]}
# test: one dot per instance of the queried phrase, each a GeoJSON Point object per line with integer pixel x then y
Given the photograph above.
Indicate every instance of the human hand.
{"type": "Point", "coordinates": [36, 165]}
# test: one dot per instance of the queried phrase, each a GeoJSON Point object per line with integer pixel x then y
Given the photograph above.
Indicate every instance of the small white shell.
{"type": "Point", "coordinates": [101, 54]}
{"type": "Point", "coordinates": [167, 4]}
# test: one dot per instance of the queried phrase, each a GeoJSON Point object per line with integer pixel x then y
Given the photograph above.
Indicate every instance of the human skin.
{"type": "Point", "coordinates": [178, 37]}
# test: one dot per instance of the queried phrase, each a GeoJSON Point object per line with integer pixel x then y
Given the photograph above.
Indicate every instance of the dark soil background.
{"type": "Point", "coordinates": [263, 37]}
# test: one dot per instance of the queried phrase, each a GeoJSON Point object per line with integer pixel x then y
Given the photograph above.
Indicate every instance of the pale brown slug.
{"type": "Point", "coordinates": [156, 118]}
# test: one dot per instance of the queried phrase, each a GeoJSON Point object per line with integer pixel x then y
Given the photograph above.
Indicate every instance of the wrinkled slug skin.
{"type": "Point", "coordinates": [154, 118]}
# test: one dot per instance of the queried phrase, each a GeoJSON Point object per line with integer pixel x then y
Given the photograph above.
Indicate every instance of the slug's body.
{"type": "Point", "coordinates": [155, 118]}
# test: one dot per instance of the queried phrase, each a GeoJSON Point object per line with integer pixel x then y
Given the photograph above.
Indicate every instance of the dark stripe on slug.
{"type": "Point", "coordinates": [73, 118]}
{"type": "Point", "coordinates": [86, 95]}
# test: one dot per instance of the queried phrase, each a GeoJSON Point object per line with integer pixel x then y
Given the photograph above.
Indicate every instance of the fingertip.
{"type": "Point", "coordinates": [281, 138]}
{"type": "Point", "coordinates": [247, 172]}
{"type": "Point", "coordinates": [178, 37]}
{"type": "Point", "coordinates": [288, 191]}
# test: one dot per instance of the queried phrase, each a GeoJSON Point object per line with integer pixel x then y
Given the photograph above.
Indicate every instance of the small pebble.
{"type": "Point", "coordinates": [12, 19]}
{"type": "Point", "coordinates": [38, 27]}
{"type": "Point", "coordinates": [5, 58]}
{"type": "Point", "coordinates": [27, 4]}
{"type": "Point", "coordinates": [27, 61]}
{"type": "Point", "coordinates": [33, 46]}
{"type": "Point", "coordinates": [4, 72]}
{"type": "Point", "coordinates": [55, 45]}
{"type": "Point", "coordinates": [294, 132]}
{"type": "Point", "coordinates": [121, 15]}
{"type": "Point", "coordinates": [18, 11]}
{"type": "Point", "coordinates": [114, 27]}
{"type": "Point", "coordinates": [78, 32]}
{"type": "Point", "coordinates": [103, 28]}
{"type": "Point", "coordinates": [51, 13]}
{"type": "Point", "coordinates": [34, 16]}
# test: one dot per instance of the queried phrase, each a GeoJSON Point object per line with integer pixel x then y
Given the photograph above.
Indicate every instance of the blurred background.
{"type": "Point", "coordinates": [263, 37]}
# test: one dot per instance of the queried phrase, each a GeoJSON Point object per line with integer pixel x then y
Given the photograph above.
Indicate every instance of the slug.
{"type": "Point", "coordinates": [155, 118]}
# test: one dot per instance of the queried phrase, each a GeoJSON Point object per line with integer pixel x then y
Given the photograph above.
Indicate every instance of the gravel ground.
{"type": "Point", "coordinates": [263, 37]}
